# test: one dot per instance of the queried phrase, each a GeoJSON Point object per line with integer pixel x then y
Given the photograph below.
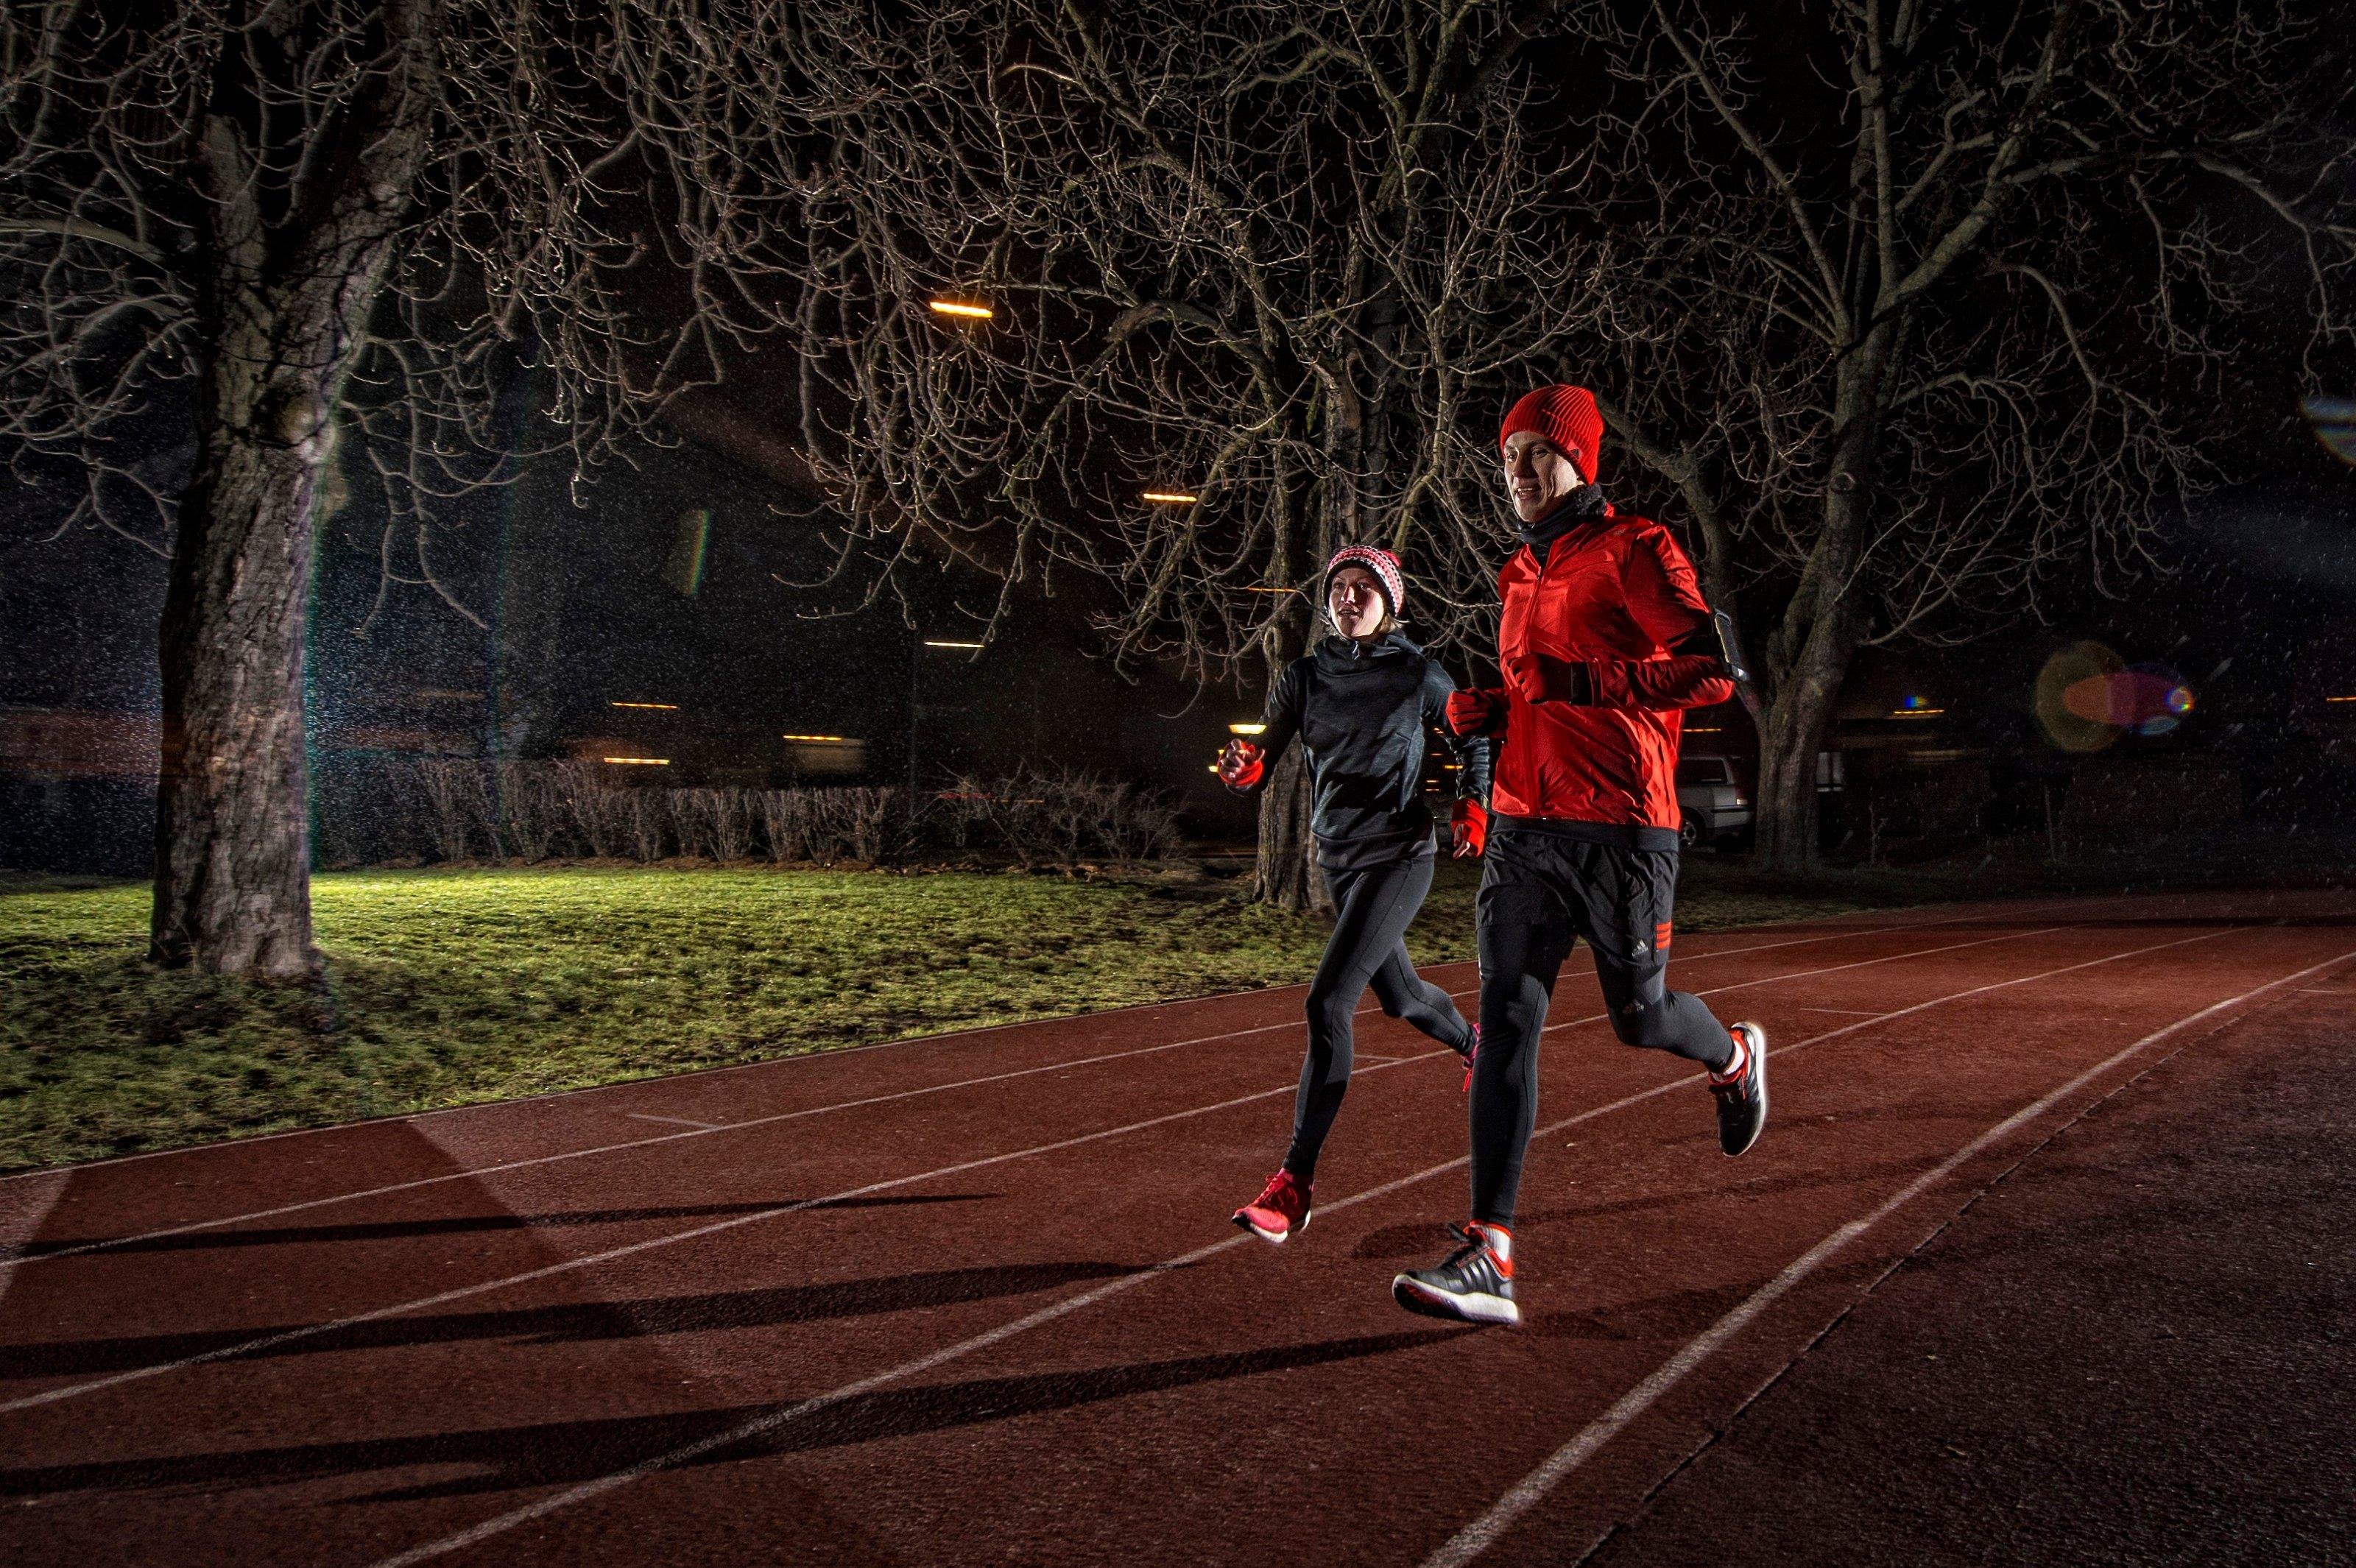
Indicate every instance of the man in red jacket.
{"type": "Point", "coordinates": [1604, 640]}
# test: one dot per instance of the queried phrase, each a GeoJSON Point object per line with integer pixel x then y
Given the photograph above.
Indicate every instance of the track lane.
{"type": "Point", "coordinates": [1195, 1383]}
{"type": "Point", "coordinates": [974, 1127]}
{"type": "Point", "coordinates": [339, 1147]}
{"type": "Point", "coordinates": [1407, 1109]}
{"type": "Point", "coordinates": [770, 1421]}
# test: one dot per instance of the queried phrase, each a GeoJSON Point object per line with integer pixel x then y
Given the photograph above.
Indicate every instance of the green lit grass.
{"type": "Point", "coordinates": [450, 987]}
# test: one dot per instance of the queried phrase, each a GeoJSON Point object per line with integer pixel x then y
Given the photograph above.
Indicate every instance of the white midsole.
{"type": "Point", "coordinates": [1478, 1305]}
{"type": "Point", "coordinates": [1276, 1236]}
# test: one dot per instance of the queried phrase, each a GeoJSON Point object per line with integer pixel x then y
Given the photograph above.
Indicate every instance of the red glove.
{"type": "Point", "coordinates": [1541, 678]}
{"type": "Point", "coordinates": [1469, 826]}
{"type": "Point", "coordinates": [1476, 712]}
{"type": "Point", "coordinates": [1241, 765]}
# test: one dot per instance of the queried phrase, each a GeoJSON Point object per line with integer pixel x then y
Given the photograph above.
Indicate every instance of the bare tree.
{"type": "Point", "coordinates": [279, 225]}
{"type": "Point", "coordinates": [1279, 256]}
{"type": "Point", "coordinates": [1942, 298]}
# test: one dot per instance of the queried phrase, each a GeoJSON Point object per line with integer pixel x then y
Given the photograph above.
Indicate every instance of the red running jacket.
{"type": "Point", "coordinates": [1614, 594]}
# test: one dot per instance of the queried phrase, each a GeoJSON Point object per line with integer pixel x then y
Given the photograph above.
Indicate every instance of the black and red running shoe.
{"type": "Point", "coordinates": [1471, 1055]}
{"type": "Point", "coordinates": [1475, 1285]}
{"type": "Point", "coordinates": [1281, 1208]}
{"type": "Point", "coordinates": [1743, 1092]}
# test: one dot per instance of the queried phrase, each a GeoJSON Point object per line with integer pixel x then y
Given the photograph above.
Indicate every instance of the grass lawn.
{"type": "Point", "coordinates": [445, 987]}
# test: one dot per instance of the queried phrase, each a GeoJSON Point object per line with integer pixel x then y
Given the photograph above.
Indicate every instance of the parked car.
{"type": "Point", "coordinates": [1710, 797]}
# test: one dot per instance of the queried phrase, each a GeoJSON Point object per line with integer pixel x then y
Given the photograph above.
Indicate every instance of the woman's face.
{"type": "Point", "coordinates": [1356, 601]}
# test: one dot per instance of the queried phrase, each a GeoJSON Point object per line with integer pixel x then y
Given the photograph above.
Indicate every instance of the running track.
{"type": "Point", "coordinates": [974, 1298]}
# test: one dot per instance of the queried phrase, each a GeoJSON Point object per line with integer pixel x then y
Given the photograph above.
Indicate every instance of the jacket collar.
{"type": "Point", "coordinates": [1338, 652]}
{"type": "Point", "coordinates": [1583, 504]}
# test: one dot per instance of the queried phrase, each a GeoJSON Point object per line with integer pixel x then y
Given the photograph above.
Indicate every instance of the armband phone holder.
{"type": "Point", "coordinates": [1729, 645]}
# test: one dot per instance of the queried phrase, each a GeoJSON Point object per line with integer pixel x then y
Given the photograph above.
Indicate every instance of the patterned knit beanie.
{"type": "Point", "coordinates": [1566, 417]}
{"type": "Point", "coordinates": [1381, 562]}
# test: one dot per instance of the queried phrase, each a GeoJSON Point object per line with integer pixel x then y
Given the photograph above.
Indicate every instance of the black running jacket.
{"type": "Point", "coordinates": [1365, 715]}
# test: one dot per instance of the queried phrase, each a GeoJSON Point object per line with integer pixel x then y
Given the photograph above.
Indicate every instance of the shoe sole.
{"type": "Point", "coordinates": [1757, 1045]}
{"type": "Point", "coordinates": [1276, 1237]}
{"type": "Point", "coordinates": [1473, 1307]}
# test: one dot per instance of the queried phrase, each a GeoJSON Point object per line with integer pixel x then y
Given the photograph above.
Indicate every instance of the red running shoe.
{"type": "Point", "coordinates": [1471, 1055]}
{"type": "Point", "coordinates": [1281, 1208]}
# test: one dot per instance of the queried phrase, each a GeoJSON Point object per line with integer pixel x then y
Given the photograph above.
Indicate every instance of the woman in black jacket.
{"type": "Point", "coordinates": [1363, 704]}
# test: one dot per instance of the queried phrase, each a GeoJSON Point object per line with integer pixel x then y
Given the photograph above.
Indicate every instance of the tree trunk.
{"type": "Point", "coordinates": [232, 833]}
{"type": "Point", "coordinates": [1812, 648]}
{"type": "Point", "coordinates": [1790, 736]}
{"type": "Point", "coordinates": [288, 272]}
{"type": "Point", "coordinates": [1287, 873]}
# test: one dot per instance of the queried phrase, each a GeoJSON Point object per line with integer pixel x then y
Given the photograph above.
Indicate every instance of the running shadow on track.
{"type": "Point", "coordinates": [462, 1224]}
{"type": "Point", "coordinates": [568, 1453]}
{"type": "Point", "coordinates": [571, 1321]}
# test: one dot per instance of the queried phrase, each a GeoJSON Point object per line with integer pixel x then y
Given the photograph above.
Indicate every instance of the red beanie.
{"type": "Point", "coordinates": [1381, 562]}
{"type": "Point", "coordinates": [1565, 416]}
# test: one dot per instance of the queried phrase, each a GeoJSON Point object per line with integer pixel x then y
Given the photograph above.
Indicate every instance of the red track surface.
{"type": "Point", "coordinates": [975, 1299]}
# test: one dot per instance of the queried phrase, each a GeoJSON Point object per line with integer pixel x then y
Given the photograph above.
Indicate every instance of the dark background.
{"type": "Point", "coordinates": [2252, 603]}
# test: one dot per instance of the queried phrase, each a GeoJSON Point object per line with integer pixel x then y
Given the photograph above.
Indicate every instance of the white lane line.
{"type": "Point", "coordinates": [762, 1424]}
{"type": "Point", "coordinates": [611, 1255]}
{"type": "Point", "coordinates": [475, 1172]}
{"type": "Point", "coordinates": [1482, 1533]}
{"type": "Point", "coordinates": [675, 1121]}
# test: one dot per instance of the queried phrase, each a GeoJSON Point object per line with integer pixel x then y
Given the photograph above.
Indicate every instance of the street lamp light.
{"type": "Point", "coordinates": [959, 309]}
{"type": "Point", "coordinates": [1171, 498]}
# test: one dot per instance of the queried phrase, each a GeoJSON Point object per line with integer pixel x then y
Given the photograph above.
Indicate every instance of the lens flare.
{"type": "Point", "coordinates": [2069, 689]}
{"type": "Point", "coordinates": [691, 536]}
{"type": "Point", "coordinates": [2334, 423]}
{"type": "Point", "coordinates": [2087, 697]}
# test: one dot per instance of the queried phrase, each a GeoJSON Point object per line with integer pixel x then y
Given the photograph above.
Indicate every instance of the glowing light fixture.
{"type": "Point", "coordinates": [1247, 729]}
{"type": "Point", "coordinates": [640, 761]}
{"type": "Point", "coordinates": [1914, 713]}
{"type": "Point", "coordinates": [664, 706]}
{"type": "Point", "coordinates": [1170, 498]}
{"type": "Point", "coordinates": [1271, 590]}
{"type": "Point", "coordinates": [1699, 730]}
{"type": "Point", "coordinates": [958, 308]}
{"type": "Point", "coordinates": [939, 643]}
{"type": "Point", "coordinates": [819, 739]}
{"type": "Point", "coordinates": [2349, 698]}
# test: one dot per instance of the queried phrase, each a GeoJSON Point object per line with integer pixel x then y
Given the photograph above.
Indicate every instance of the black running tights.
{"type": "Point", "coordinates": [1373, 909]}
{"type": "Point", "coordinates": [1538, 894]}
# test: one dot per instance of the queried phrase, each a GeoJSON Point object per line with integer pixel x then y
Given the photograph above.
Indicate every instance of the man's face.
{"type": "Point", "coordinates": [1538, 475]}
{"type": "Point", "coordinates": [1356, 602]}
